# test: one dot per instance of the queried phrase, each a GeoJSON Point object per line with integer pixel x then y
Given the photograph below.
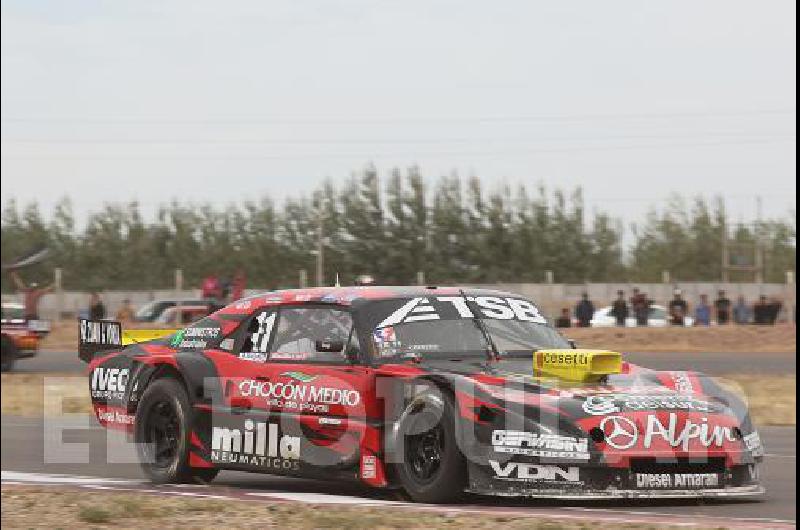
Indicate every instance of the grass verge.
{"type": "Point", "coordinates": [35, 507]}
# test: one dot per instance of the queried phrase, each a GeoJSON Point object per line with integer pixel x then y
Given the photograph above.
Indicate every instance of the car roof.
{"type": "Point", "coordinates": [353, 295]}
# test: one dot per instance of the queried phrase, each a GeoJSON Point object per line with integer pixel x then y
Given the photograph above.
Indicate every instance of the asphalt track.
{"type": "Point", "coordinates": [712, 363]}
{"type": "Point", "coordinates": [23, 462]}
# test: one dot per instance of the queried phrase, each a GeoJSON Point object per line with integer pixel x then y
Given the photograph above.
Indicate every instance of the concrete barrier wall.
{"type": "Point", "coordinates": [550, 297]}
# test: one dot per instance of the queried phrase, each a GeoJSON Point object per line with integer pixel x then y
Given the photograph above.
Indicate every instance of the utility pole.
{"type": "Point", "coordinates": [320, 248]}
{"type": "Point", "coordinates": [725, 256]}
{"type": "Point", "coordinates": [759, 233]}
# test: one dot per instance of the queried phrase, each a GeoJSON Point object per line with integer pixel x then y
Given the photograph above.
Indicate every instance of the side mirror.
{"type": "Point", "coordinates": [572, 344]}
{"type": "Point", "coordinates": [329, 346]}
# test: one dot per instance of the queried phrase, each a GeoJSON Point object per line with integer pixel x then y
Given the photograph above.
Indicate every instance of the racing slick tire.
{"type": "Point", "coordinates": [162, 431]}
{"type": "Point", "coordinates": [9, 354]}
{"type": "Point", "coordinates": [432, 468]}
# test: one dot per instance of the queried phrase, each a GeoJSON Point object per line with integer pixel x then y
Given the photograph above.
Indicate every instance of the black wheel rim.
{"type": "Point", "coordinates": [163, 431]}
{"type": "Point", "coordinates": [424, 453]}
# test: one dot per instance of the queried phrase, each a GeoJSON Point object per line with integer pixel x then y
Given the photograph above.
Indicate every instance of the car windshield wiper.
{"type": "Point", "coordinates": [481, 326]}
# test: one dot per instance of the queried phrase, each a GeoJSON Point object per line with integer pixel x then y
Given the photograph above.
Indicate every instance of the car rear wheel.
{"type": "Point", "coordinates": [9, 354]}
{"type": "Point", "coordinates": [162, 431]}
{"type": "Point", "coordinates": [432, 469]}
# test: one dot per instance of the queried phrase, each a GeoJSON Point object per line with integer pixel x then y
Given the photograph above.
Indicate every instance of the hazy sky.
{"type": "Point", "coordinates": [225, 101]}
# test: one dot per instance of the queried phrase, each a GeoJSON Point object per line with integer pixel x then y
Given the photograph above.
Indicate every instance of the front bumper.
{"type": "Point", "coordinates": [752, 491]}
{"type": "Point", "coordinates": [642, 480]}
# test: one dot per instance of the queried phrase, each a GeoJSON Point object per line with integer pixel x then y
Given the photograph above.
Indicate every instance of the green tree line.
{"type": "Point", "coordinates": [453, 230]}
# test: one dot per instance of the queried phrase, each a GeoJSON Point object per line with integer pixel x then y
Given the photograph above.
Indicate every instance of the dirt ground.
{"type": "Point", "coordinates": [751, 339]}
{"type": "Point", "coordinates": [32, 507]}
{"type": "Point", "coordinates": [772, 400]}
{"type": "Point", "coordinates": [747, 339]}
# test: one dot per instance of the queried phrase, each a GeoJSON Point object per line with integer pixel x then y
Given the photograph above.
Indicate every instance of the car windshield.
{"type": "Point", "coordinates": [446, 327]}
{"type": "Point", "coordinates": [13, 312]}
{"type": "Point", "coordinates": [148, 311]}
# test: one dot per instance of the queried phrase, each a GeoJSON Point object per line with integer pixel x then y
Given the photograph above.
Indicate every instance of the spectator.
{"type": "Point", "coordinates": [225, 286]}
{"type": "Point", "coordinates": [678, 309]}
{"type": "Point", "coordinates": [564, 320]}
{"type": "Point", "coordinates": [741, 312]}
{"type": "Point", "coordinates": [761, 311]}
{"type": "Point", "coordinates": [723, 307]}
{"type": "Point", "coordinates": [619, 309]}
{"type": "Point", "coordinates": [584, 311]}
{"type": "Point", "coordinates": [774, 310]}
{"type": "Point", "coordinates": [239, 282]}
{"type": "Point", "coordinates": [641, 307]}
{"type": "Point", "coordinates": [31, 294]}
{"type": "Point", "coordinates": [210, 289]}
{"type": "Point", "coordinates": [702, 313]}
{"type": "Point", "coordinates": [125, 313]}
{"type": "Point", "coordinates": [97, 311]}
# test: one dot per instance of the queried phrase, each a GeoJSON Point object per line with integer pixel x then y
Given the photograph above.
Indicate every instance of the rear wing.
{"type": "Point", "coordinates": [97, 336]}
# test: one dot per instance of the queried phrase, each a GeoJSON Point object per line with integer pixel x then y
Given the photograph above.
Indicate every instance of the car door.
{"type": "Point", "coordinates": [300, 369]}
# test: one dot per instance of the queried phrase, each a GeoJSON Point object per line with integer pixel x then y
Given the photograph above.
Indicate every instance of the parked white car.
{"type": "Point", "coordinates": [658, 318]}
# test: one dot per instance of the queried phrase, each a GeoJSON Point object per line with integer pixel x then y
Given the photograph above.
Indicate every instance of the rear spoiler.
{"type": "Point", "coordinates": [97, 336]}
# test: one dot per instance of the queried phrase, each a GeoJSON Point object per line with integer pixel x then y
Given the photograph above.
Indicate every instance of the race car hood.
{"type": "Point", "coordinates": [637, 412]}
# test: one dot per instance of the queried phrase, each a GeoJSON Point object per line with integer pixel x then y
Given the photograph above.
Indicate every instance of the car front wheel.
{"type": "Point", "coordinates": [432, 467]}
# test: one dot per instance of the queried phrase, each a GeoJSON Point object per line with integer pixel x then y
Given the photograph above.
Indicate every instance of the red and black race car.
{"type": "Point", "coordinates": [437, 391]}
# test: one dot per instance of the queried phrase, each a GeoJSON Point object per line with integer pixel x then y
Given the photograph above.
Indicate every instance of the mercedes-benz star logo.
{"type": "Point", "coordinates": [622, 433]}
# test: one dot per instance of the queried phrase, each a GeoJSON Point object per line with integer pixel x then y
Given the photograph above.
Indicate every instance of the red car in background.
{"type": "Point", "coordinates": [20, 336]}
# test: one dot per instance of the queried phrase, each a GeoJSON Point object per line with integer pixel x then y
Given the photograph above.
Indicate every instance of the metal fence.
{"type": "Point", "coordinates": [550, 297]}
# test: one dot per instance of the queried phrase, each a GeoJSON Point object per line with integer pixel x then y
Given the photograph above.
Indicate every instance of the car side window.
{"type": "Point", "coordinates": [316, 334]}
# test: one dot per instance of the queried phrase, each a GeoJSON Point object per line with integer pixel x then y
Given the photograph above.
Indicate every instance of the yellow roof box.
{"type": "Point", "coordinates": [579, 366]}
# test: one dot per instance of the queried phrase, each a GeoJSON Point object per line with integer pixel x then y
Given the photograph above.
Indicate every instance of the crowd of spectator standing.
{"type": "Point", "coordinates": [722, 312]}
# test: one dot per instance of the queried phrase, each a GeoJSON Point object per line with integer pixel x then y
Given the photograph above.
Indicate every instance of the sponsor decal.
{"type": "Point", "coordinates": [421, 309]}
{"type": "Point", "coordinates": [109, 383]}
{"type": "Point", "coordinates": [369, 467]}
{"type": "Point", "coordinates": [600, 405]}
{"type": "Point", "coordinates": [565, 359]}
{"type": "Point", "coordinates": [255, 356]}
{"type": "Point", "coordinates": [753, 443]}
{"type": "Point", "coordinates": [120, 418]}
{"type": "Point", "coordinates": [622, 433]}
{"type": "Point", "coordinates": [386, 340]}
{"type": "Point", "coordinates": [540, 445]}
{"type": "Point", "coordinates": [299, 376]}
{"type": "Point", "coordinates": [289, 356]}
{"type": "Point", "coordinates": [682, 383]}
{"type": "Point", "coordinates": [100, 332]}
{"type": "Point", "coordinates": [304, 397]}
{"type": "Point", "coordinates": [524, 472]}
{"type": "Point", "coordinates": [677, 480]}
{"type": "Point", "coordinates": [193, 337]}
{"type": "Point", "coordinates": [611, 404]}
{"type": "Point", "coordinates": [257, 444]}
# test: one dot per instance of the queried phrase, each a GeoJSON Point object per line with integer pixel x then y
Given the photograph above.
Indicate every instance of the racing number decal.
{"type": "Point", "coordinates": [260, 339]}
